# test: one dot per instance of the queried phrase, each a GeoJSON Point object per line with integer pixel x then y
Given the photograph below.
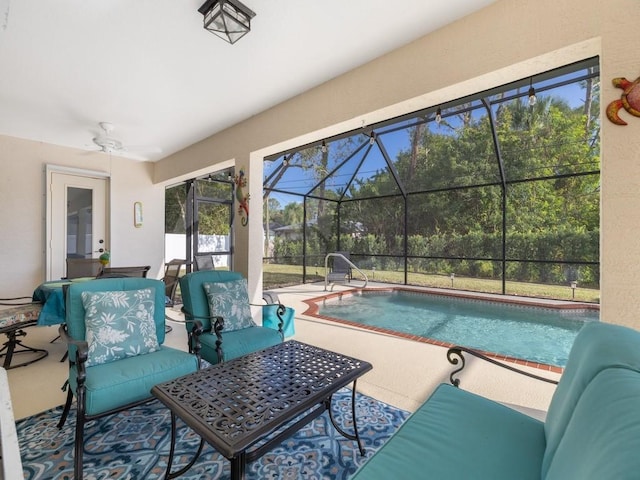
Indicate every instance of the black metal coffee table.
{"type": "Point", "coordinates": [237, 404]}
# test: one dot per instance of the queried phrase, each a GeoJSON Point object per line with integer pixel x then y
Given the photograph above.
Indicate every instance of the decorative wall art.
{"type": "Point", "coordinates": [629, 100]}
{"type": "Point", "coordinates": [243, 200]}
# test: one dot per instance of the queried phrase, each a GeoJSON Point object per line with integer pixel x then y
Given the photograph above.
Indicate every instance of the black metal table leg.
{"type": "Point", "coordinates": [345, 434]}
{"type": "Point", "coordinates": [238, 467]}
{"type": "Point", "coordinates": [168, 475]}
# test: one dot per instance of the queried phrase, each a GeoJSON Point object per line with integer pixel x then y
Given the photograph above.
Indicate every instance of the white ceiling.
{"type": "Point", "coordinates": [150, 68]}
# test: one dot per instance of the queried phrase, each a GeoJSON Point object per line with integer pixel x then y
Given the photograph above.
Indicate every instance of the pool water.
{"type": "Point", "coordinates": [538, 334]}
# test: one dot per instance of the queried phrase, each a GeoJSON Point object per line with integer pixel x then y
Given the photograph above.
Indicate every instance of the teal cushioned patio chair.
{"type": "Point", "coordinates": [104, 388]}
{"type": "Point", "coordinates": [218, 344]}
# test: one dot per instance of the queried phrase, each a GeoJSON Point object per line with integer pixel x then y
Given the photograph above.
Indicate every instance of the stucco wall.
{"type": "Point", "coordinates": [506, 41]}
{"type": "Point", "coordinates": [22, 215]}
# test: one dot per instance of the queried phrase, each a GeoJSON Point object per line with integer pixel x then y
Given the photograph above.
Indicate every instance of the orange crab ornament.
{"type": "Point", "coordinates": [629, 100]}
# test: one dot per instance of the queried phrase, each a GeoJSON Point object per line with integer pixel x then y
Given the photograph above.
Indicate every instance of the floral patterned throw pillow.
{"type": "Point", "coordinates": [119, 324]}
{"type": "Point", "coordinates": [230, 301]}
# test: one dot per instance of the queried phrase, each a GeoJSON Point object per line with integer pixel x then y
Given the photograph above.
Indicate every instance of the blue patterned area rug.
{"type": "Point", "coordinates": [134, 444]}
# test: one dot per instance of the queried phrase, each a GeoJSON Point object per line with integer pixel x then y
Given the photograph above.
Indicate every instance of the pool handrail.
{"type": "Point", "coordinates": [346, 260]}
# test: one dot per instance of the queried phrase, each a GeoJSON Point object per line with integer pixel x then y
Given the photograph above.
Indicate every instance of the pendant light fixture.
{"type": "Point", "coordinates": [227, 19]}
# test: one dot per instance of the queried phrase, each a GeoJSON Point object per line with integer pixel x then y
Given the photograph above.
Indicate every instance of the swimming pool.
{"type": "Point", "coordinates": [533, 333]}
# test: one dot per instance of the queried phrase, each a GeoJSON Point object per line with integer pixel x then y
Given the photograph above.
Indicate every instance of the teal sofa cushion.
{"type": "Point", "coordinates": [597, 347]}
{"type": "Point", "coordinates": [112, 385]}
{"type": "Point", "coordinates": [238, 343]}
{"type": "Point", "coordinates": [457, 434]}
{"type": "Point", "coordinates": [592, 430]}
{"type": "Point", "coordinates": [602, 438]}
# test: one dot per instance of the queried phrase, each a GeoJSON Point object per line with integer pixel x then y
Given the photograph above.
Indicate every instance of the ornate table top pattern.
{"type": "Point", "coordinates": [235, 404]}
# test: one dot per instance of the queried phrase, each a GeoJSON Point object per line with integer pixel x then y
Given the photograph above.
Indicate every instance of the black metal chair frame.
{"type": "Point", "coordinates": [340, 270]}
{"type": "Point", "coordinates": [113, 272]}
{"type": "Point", "coordinates": [14, 345]}
{"type": "Point", "coordinates": [83, 267]}
{"type": "Point", "coordinates": [171, 277]}
{"type": "Point", "coordinates": [81, 357]}
{"type": "Point", "coordinates": [455, 357]}
{"type": "Point", "coordinates": [203, 261]}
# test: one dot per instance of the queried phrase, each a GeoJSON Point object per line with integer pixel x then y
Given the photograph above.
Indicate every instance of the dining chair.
{"type": "Point", "coordinates": [341, 268]}
{"type": "Point", "coordinates": [114, 330]}
{"type": "Point", "coordinates": [203, 261]}
{"type": "Point", "coordinates": [140, 271]}
{"type": "Point", "coordinates": [82, 267]}
{"type": "Point", "coordinates": [216, 305]}
{"type": "Point", "coordinates": [172, 271]}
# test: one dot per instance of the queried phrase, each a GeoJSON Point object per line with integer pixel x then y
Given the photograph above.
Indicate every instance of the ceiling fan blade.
{"type": "Point", "coordinates": [143, 149]}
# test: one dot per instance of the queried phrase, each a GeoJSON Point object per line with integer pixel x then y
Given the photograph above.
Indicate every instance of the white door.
{"type": "Point", "coordinates": [76, 219]}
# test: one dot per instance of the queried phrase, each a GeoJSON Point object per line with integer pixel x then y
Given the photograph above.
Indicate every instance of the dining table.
{"type": "Point", "coordinates": [52, 299]}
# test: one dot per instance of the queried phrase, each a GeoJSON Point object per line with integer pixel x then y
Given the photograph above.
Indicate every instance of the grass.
{"type": "Point", "coordinates": [276, 275]}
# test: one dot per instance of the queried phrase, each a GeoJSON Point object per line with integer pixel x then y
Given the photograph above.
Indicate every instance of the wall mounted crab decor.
{"type": "Point", "coordinates": [629, 100]}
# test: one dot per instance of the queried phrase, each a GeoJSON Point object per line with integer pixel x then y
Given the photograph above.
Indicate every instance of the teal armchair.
{"type": "Point", "coordinates": [227, 333]}
{"type": "Point", "coordinates": [115, 329]}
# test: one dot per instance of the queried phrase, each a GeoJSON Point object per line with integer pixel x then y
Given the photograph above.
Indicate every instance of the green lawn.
{"type": "Point", "coordinates": [276, 275]}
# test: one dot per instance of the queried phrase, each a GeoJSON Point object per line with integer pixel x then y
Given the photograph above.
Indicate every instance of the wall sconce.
{"type": "Point", "coordinates": [227, 19]}
{"type": "Point", "coordinates": [438, 116]}
{"type": "Point", "coordinates": [137, 214]}
{"type": "Point", "coordinates": [323, 147]}
{"type": "Point", "coordinates": [372, 138]}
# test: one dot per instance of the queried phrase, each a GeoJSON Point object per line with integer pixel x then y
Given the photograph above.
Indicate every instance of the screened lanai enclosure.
{"type": "Point", "coordinates": [494, 192]}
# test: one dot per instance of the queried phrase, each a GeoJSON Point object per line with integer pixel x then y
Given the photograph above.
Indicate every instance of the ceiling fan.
{"type": "Point", "coordinates": [109, 144]}
{"type": "Point", "coordinates": [105, 141]}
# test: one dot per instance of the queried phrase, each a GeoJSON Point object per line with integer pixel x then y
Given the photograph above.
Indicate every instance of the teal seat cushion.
{"type": "Point", "coordinates": [238, 343]}
{"type": "Point", "coordinates": [458, 434]}
{"type": "Point", "coordinates": [597, 347]}
{"type": "Point", "coordinates": [112, 385]}
{"type": "Point", "coordinates": [602, 439]}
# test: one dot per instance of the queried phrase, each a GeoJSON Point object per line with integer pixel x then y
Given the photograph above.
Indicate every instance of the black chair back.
{"type": "Point", "coordinates": [116, 272]}
{"type": "Point", "coordinates": [203, 261]}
